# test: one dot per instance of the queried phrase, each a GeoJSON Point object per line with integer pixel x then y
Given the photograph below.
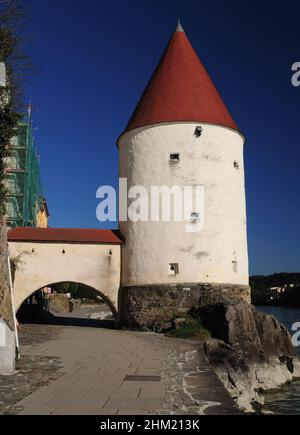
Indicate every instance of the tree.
{"type": "Point", "coordinates": [17, 65]}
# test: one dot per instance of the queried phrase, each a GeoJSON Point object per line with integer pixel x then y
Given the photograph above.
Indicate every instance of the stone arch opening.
{"type": "Point", "coordinates": [39, 305]}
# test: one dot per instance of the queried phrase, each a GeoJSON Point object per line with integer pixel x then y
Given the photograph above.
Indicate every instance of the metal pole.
{"type": "Point", "coordinates": [12, 295]}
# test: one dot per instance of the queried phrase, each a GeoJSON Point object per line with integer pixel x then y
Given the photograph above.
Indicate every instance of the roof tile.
{"type": "Point", "coordinates": [180, 90]}
{"type": "Point", "coordinates": [68, 235]}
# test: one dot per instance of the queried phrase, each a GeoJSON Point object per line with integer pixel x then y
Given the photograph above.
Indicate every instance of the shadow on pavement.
{"type": "Point", "coordinates": [32, 314]}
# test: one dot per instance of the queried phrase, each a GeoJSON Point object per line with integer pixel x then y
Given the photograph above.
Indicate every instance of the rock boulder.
{"type": "Point", "coordinates": [240, 325]}
{"type": "Point", "coordinates": [250, 351]}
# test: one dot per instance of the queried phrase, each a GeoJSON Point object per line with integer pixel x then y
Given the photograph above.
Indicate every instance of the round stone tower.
{"type": "Point", "coordinates": [181, 134]}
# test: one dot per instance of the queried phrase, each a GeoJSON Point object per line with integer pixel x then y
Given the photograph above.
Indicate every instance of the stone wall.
{"type": "Point", "coordinates": [60, 303]}
{"type": "Point", "coordinates": [154, 307]}
{"type": "Point", "coordinates": [5, 302]}
{"type": "Point", "coordinates": [7, 336]}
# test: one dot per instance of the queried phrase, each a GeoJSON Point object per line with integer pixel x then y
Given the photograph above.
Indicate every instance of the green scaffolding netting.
{"type": "Point", "coordinates": [24, 187]}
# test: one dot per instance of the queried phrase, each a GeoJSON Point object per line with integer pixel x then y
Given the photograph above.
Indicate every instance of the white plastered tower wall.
{"type": "Point", "coordinates": [216, 255]}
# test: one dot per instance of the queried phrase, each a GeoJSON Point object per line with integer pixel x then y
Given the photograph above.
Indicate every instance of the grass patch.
{"type": "Point", "coordinates": [193, 329]}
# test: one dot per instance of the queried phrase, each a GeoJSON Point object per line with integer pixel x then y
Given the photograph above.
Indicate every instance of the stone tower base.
{"type": "Point", "coordinates": [154, 307]}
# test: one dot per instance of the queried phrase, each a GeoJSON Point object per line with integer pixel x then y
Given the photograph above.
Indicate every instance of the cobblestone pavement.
{"type": "Point", "coordinates": [81, 370]}
{"type": "Point", "coordinates": [32, 371]}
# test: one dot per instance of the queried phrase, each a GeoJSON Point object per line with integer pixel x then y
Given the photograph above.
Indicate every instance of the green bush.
{"type": "Point", "coordinates": [193, 329]}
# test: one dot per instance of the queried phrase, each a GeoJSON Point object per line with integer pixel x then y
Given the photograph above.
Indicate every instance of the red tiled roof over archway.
{"type": "Point", "coordinates": [63, 235]}
{"type": "Point", "coordinates": [180, 90]}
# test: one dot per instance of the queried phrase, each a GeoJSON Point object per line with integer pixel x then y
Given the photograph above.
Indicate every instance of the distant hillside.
{"type": "Point", "coordinates": [275, 280]}
{"type": "Point", "coordinates": [262, 293]}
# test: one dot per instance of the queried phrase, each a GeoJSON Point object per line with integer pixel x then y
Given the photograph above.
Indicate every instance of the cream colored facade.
{"type": "Point", "coordinates": [217, 254]}
{"type": "Point", "coordinates": [42, 264]}
{"type": "Point", "coordinates": [42, 216]}
{"type": "Point", "coordinates": [41, 219]}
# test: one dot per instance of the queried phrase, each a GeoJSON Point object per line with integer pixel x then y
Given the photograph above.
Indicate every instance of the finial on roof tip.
{"type": "Point", "coordinates": [179, 27]}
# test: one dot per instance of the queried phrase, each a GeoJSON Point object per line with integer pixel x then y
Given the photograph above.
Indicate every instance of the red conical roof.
{"type": "Point", "coordinates": [180, 90]}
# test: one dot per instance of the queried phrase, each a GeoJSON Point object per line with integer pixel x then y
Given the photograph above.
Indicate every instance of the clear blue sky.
{"type": "Point", "coordinates": [95, 58]}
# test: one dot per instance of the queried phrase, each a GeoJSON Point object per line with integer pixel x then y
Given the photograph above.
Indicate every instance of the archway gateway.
{"type": "Point", "coordinates": [48, 255]}
{"type": "Point", "coordinates": [68, 303]}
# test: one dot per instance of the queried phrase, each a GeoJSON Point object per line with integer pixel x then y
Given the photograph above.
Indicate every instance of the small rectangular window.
{"type": "Point", "coordinates": [174, 158]}
{"type": "Point", "coordinates": [195, 217]}
{"type": "Point", "coordinates": [235, 266]}
{"type": "Point", "coordinates": [173, 269]}
{"type": "Point", "coordinates": [198, 131]}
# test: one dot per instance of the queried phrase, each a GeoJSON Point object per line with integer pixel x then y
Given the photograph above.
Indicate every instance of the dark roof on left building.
{"type": "Point", "coordinates": [63, 235]}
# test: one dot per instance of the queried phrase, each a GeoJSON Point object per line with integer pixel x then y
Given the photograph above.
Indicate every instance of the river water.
{"type": "Point", "coordinates": [287, 399]}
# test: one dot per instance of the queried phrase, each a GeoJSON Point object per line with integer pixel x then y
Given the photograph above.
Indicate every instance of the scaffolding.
{"type": "Point", "coordinates": [24, 187]}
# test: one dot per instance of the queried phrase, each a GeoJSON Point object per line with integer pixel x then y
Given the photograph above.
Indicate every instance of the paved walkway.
{"type": "Point", "coordinates": [110, 372]}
